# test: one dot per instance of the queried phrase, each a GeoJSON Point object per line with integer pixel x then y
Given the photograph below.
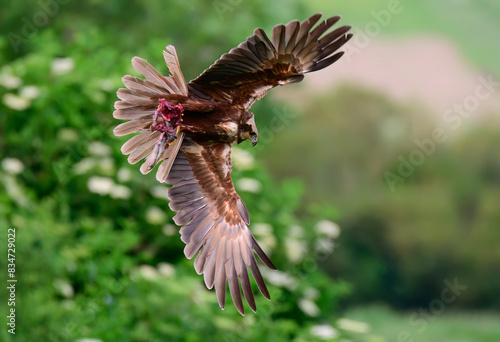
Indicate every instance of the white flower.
{"type": "Point", "coordinates": [311, 293]}
{"type": "Point", "coordinates": [159, 191]}
{"type": "Point", "coordinates": [85, 165]}
{"type": "Point", "coordinates": [328, 228]}
{"type": "Point", "coordinates": [61, 66]}
{"type": "Point", "coordinates": [124, 175]}
{"type": "Point", "coordinates": [30, 92]}
{"type": "Point", "coordinates": [324, 245]}
{"type": "Point", "coordinates": [106, 84]}
{"type": "Point", "coordinates": [14, 190]}
{"type": "Point", "coordinates": [100, 185]}
{"type": "Point", "coordinates": [16, 102]}
{"type": "Point", "coordinates": [295, 250]}
{"type": "Point", "coordinates": [354, 326]}
{"type": "Point", "coordinates": [9, 80]}
{"type": "Point", "coordinates": [249, 321]}
{"type": "Point", "coordinates": [280, 278]}
{"type": "Point", "coordinates": [295, 231]}
{"type": "Point", "coordinates": [249, 185]}
{"type": "Point", "coordinates": [262, 229]}
{"type": "Point", "coordinates": [267, 242]}
{"type": "Point", "coordinates": [324, 331]}
{"type": "Point", "coordinates": [12, 165]}
{"type": "Point", "coordinates": [308, 307]}
{"type": "Point", "coordinates": [155, 215]}
{"type": "Point", "coordinates": [120, 192]}
{"type": "Point", "coordinates": [166, 269]}
{"type": "Point", "coordinates": [169, 229]}
{"type": "Point", "coordinates": [63, 287]}
{"type": "Point", "coordinates": [107, 166]}
{"type": "Point", "coordinates": [148, 272]}
{"type": "Point", "coordinates": [67, 134]}
{"type": "Point", "coordinates": [242, 159]}
{"type": "Point", "coordinates": [98, 148]}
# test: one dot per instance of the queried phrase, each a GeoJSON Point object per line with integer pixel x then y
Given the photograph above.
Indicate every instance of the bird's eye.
{"type": "Point", "coordinates": [253, 134]}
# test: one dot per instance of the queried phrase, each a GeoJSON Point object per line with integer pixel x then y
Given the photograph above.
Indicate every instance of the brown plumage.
{"type": "Point", "coordinates": [195, 155]}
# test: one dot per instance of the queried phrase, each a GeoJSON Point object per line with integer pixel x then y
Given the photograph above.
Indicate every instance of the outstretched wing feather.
{"type": "Point", "coordinates": [248, 71]}
{"type": "Point", "coordinates": [215, 221]}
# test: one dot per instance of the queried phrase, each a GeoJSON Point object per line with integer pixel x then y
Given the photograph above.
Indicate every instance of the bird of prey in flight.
{"type": "Point", "coordinates": [188, 128]}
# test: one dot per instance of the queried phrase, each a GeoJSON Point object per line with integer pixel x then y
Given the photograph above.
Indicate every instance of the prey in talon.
{"type": "Point", "coordinates": [170, 117]}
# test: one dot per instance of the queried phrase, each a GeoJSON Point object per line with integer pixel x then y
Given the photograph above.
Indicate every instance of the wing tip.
{"type": "Point", "coordinates": [171, 50]}
{"type": "Point", "coordinates": [137, 59]}
{"type": "Point", "coordinates": [146, 168]}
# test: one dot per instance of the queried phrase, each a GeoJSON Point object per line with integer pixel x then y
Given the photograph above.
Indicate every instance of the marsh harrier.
{"type": "Point", "coordinates": [188, 128]}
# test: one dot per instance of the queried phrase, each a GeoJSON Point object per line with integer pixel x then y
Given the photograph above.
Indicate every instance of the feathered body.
{"type": "Point", "coordinates": [221, 123]}
{"type": "Point", "coordinates": [189, 128]}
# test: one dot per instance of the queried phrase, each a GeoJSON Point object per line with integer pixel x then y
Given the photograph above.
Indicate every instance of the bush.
{"type": "Point", "coordinates": [96, 253]}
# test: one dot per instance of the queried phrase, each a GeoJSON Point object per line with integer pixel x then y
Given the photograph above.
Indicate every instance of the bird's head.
{"type": "Point", "coordinates": [248, 129]}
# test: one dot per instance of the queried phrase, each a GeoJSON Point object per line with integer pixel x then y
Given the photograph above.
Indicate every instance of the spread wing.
{"type": "Point", "coordinates": [215, 220]}
{"type": "Point", "coordinates": [247, 72]}
{"type": "Point", "coordinates": [138, 104]}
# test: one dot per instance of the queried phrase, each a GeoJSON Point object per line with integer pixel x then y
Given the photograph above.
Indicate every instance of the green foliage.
{"type": "Point", "coordinates": [97, 255]}
{"type": "Point", "coordinates": [388, 325]}
{"type": "Point", "coordinates": [439, 222]}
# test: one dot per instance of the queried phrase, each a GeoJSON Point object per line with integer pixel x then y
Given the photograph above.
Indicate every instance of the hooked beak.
{"type": "Point", "coordinates": [254, 139]}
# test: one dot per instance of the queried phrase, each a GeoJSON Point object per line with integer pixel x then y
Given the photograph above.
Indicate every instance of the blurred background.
{"type": "Point", "coordinates": [375, 187]}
